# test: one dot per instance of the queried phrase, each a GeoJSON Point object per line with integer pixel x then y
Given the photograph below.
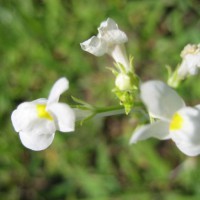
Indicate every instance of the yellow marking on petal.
{"type": "Point", "coordinates": [42, 113]}
{"type": "Point", "coordinates": [176, 122]}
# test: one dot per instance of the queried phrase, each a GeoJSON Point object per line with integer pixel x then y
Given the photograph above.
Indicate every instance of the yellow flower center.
{"type": "Point", "coordinates": [42, 113]}
{"type": "Point", "coordinates": [176, 122]}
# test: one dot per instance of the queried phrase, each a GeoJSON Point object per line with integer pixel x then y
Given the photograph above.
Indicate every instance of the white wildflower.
{"type": "Point", "coordinates": [191, 60]}
{"type": "Point", "coordinates": [110, 40]}
{"type": "Point", "coordinates": [37, 121]}
{"type": "Point", "coordinates": [175, 120]}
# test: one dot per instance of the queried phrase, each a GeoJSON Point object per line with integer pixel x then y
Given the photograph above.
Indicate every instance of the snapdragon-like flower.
{"type": "Point", "coordinates": [37, 121]}
{"type": "Point", "coordinates": [191, 60]}
{"type": "Point", "coordinates": [110, 40]}
{"type": "Point", "coordinates": [175, 120]}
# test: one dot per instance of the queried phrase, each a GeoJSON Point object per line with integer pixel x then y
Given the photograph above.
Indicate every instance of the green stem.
{"type": "Point", "coordinates": [115, 110]}
{"type": "Point", "coordinates": [83, 114]}
{"type": "Point", "coordinates": [109, 111]}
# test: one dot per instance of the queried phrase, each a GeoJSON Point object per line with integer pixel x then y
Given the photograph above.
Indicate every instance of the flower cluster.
{"type": "Point", "coordinates": [37, 121]}
{"type": "Point", "coordinates": [174, 119]}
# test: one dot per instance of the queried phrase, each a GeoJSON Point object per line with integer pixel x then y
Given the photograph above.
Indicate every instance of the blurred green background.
{"type": "Point", "coordinates": [39, 42]}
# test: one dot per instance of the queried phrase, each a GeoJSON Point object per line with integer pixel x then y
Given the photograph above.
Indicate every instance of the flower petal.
{"type": "Point", "coordinates": [64, 115]}
{"type": "Point", "coordinates": [60, 86]}
{"type": "Point", "coordinates": [25, 114]}
{"type": "Point", "coordinates": [189, 65]}
{"type": "Point", "coordinates": [36, 142]}
{"type": "Point", "coordinates": [189, 149]}
{"type": "Point", "coordinates": [110, 32]}
{"type": "Point", "coordinates": [118, 52]}
{"type": "Point", "coordinates": [159, 129]}
{"type": "Point", "coordinates": [161, 101]}
{"type": "Point", "coordinates": [36, 133]}
{"type": "Point", "coordinates": [187, 137]}
{"type": "Point", "coordinates": [95, 46]}
{"type": "Point", "coordinates": [114, 37]}
{"type": "Point", "coordinates": [107, 25]}
{"type": "Point", "coordinates": [21, 116]}
{"type": "Point", "coordinates": [198, 106]}
{"type": "Point", "coordinates": [191, 60]}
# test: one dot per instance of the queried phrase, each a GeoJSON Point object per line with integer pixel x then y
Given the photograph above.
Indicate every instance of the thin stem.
{"type": "Point", "coordinates": [105, 109]}
{"type": "Point", "coordinates": [109, 111]}
{"type": "Point", "coordinates": [115, 110]}
{"type": "Point", "coordinates": [83, 114]}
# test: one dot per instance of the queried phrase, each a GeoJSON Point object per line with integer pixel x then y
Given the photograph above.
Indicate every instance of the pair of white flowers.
{"type": "Point", "coordinates": [174, 120]}
{"type": "Point", "coordinates": [37, 121]}
{"type": "Point", "coordinates": [110, 40]}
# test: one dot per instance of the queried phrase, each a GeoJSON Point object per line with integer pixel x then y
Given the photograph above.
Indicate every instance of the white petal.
{"type": "Point", "coordinates": [191, 60]}
{"type": "Point", "coordinates": [187, 137]}
{"type": "Point", "coordinates": [64, 115]}
{"type": "Point", "coordinates": [36, 133]}
{"type": "Point", "coordinates": [188, 131]}
{"type": "Point", "coordinates": [60, 86]}
{"type": "Point", "coordinates": [183, 70]}
{"type": "Point", "coordinates": [118, 52]}
{"type": "Point", "coordinates": [159, 129]}
{"type": "Point", "coordinates": [25, 114]}
{"type": "Point", "coordinates": [36, 142]}
{"type": "Point", "coordinates": [95, 46]}
{"type": "Point", "coordinates": [110, 32]}
{"type": "Point", "coordinates": [114, 37]}
{"type": "Point", "coordinates": [189, 65]}
{"type": "Point", "coordinates": [22, 115]}
{"type": "Point", "coordinates": [161, 101]}
{"type": "Point", "coordinates": [198, 106]}
{"type": "Point", "coordinates": [189, 149]}
{"type": "Point", "coordinates": [109, 24]}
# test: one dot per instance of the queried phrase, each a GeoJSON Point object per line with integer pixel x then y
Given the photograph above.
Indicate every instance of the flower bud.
{"type": "Point", "coordinates": [123, 82]}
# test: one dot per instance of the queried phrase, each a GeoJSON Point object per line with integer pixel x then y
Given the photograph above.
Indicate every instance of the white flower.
{"type": "Point", "coordinates": [175, 120]}
{"type": "Point", "coordinates": [109, 40]}
{"type": "Point", "coordinates": [37, 121]}
{"type": "Point", "coordinates": [191, 60]}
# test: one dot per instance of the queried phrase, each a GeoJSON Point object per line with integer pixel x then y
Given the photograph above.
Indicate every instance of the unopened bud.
{"type": "Point", "coordinates": [123, 82]}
